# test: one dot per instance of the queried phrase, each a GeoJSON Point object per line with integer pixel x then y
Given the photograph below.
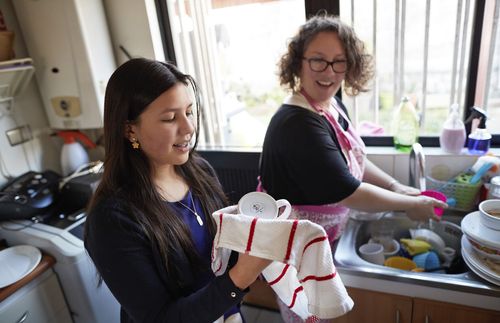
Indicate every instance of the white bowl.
{"type": "Point", "coordinates": [391, 247]}
{"type": "Point", "coordinates": [429, 236]}
{"type": "Point", "coordinates": [490, 214]}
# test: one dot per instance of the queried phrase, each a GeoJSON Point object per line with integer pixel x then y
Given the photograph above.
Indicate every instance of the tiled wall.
{"type": "Point", "coordinates": [436, 162]}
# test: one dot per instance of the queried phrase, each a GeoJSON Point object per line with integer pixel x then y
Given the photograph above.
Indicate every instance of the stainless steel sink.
{"type": "Point", "coordinates": [358, 232]}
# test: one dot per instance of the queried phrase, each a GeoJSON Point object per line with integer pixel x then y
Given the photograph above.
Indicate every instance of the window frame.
{"type": "Point", "coordinates": [333, 7]}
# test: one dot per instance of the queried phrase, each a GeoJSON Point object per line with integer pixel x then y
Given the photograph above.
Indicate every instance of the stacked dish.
{"type": "Point", "coordinates": [481, 247]}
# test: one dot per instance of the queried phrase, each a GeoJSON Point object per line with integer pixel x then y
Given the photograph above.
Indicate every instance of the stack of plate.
{"type": "Point", "coordinates": [479, 244]}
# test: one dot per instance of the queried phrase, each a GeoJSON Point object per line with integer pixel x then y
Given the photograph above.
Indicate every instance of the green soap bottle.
{"type": "Point", "coordinates": [405, 126]}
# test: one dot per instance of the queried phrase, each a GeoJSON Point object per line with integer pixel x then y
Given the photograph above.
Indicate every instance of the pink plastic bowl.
{"type": "Point", "coordinates": [438, 196]}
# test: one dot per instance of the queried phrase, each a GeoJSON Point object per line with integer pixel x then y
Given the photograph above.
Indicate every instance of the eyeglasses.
{"type": "Point", "coordinates": [319, 65]}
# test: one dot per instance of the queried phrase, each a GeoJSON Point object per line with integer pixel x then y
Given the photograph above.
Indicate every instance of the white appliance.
{"type": "Point", "coordinates": [72, 53]}
{"type": "Point", "coordinates": [62, 239]}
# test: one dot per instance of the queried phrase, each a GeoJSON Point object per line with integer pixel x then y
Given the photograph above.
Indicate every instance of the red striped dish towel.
{"type": "Point", "coordinates": [302, 275]}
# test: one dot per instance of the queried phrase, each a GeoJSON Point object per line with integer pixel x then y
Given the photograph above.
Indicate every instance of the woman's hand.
{"type": "Point", "coordinates": [397, 187]}
{"type": "Point", "coordinates": [247, 269]}
{"type": "Point", "coordinates": [423, 208]}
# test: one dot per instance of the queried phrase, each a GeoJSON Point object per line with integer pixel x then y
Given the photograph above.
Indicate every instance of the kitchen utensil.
{"type": "Point", "coordinates": [427, 260]}
{"type": "Point", "coordinates": [438, 196]}
{"type": "Point", "coordinates": [17, 262]}
{"type": "Point", "coordinates": [429, 236]}
{"type": "Point", "coordinates": [372, 252]}
{"type": "Point", "coordinates": [263, 205]}
{"type": "Point", "coordinates": [489, 211]}
{"type": "Point", "coordinates": [473, 228]}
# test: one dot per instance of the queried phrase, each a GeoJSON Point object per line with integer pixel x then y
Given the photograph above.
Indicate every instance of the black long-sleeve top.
{"type": "Point", "coordinates": [301, 160]}
{"type": "Point", "coordinates": [131, 267]}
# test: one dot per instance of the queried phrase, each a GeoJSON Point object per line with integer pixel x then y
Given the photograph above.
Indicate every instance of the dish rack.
{"type": "Point", "coordinates": [464, 194]}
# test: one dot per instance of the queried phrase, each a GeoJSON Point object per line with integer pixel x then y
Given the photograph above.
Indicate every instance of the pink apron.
{"type": "Point", "coordinates": [333, 217]}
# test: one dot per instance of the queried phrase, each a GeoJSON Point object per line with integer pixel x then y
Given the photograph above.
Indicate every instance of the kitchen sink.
{"type": "Point", "coordinates": [458, 277]}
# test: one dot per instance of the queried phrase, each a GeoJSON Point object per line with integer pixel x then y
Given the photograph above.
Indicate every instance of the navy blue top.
{"type": "Point", "coordinates": [201, 237]}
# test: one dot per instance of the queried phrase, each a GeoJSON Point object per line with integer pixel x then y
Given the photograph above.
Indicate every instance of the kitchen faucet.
{"type": "Point", "coordinates": [417, 167]}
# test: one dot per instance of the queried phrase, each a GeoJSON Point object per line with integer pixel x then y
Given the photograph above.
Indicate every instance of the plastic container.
{"type": "Point", "coordinates": [73, 155]}
{"type": "Point", "coordinates": [494, 190]}
{"type": "Point", "coordinates": [452, 138]}
{"type": "Point", "coordinates": [428, 260]}
{"type": "Point", "coordinates": [405, 126]}
{"type": "Point", "coordinates": [438, 196]}
{"type": "Point", "coordinates": [479, 140]}
{"type": "Point", "coordinates": [464, 193]}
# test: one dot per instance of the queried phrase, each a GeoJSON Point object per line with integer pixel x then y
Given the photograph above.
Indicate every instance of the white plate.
{"type": "Point", "coordinates": [472, 227]}
{"type": "Point", "coordinates": [479, 273]}
{"type": "Point", "coordinates": [477, 264]}
{"type": "Point", "coordinates": [17, 262]}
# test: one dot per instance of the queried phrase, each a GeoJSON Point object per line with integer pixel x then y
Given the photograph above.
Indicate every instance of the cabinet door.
{"type": "Point", "coordinates": [376, 307]}
{"type": "Point", "coordinates": [429, 311]}
{"type": "Point", "coordinates": [41, 303]}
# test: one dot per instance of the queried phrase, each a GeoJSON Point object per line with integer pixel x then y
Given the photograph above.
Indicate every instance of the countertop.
{"type": "Point", "coordinates": [46, 263]}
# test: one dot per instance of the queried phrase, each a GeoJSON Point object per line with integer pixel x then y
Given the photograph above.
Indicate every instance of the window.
{"type": "Point", "coordinates": [421, 50]}
{"type": "Point", "coordinates": [437, 52]}
{"type": "Point", "coordinates": [488, 87]}
{"type": "Point", "coordinates": [231, 47]}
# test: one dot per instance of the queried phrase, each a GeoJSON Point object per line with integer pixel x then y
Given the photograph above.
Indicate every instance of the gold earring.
{"type": "Point", "coordinates": [135, 143]}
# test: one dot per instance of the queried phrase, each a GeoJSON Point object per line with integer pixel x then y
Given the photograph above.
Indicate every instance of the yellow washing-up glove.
{"type": "Point", "coordinates": [414, 247]}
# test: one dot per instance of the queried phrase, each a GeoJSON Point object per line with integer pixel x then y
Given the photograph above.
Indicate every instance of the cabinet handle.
{"type": "Point", "coordinates": [397, 316]}
{"type": "Point", "coordinates": [427, 319]}
{"type": "Point", "coordinates": [24, 317]}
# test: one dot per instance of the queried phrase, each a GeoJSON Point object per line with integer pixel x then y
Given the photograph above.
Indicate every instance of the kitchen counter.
{"type": "Point", "coordinates": [46, 263]}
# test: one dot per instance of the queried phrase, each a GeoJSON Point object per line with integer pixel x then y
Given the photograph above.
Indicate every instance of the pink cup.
{"type": "Point", "coordinates": [438, 196]}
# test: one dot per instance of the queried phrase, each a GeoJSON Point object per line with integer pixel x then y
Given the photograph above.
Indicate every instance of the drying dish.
{"type": "Point", "coordinates": [474, 229]}
{"type": "Point", "coordinates": [485, 251]}
{"type": "Point", "coordinates": [489, 211]}
{"type": "Point", "coordinates": [17, 262]}
{"type": "Point", "coordinates": [479, 265]}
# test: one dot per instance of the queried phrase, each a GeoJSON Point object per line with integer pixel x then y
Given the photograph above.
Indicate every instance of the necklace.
{"type": "Point", "coordinates": [198, 217]}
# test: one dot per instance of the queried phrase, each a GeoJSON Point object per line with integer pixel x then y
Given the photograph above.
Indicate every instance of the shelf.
{"type": "Point", "coordinates": [14, 76]}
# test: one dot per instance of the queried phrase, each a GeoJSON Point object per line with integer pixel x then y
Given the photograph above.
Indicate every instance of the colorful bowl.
{"type": "Point", "coordinates": [428, 260]}
{"type": "Point", "coordinates": [438, 196]}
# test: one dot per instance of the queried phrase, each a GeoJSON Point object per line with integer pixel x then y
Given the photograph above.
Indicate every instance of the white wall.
{"type": "Point", "coordinates": [42, 152]}
{"type": "Point", "coordinates": [132, 24]}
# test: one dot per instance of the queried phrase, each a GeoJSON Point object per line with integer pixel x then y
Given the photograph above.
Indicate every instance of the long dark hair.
{"type": "Point", "coordinates": [359, 63]}
{"type": "Point", "coordinates": [131, 88]}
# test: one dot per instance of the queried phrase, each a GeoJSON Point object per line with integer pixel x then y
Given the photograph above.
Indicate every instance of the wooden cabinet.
{"type": "Point", "coordinates": [428, 311]}
{"type": "Point", "coordinates": [40, 301]}
{"type": "Point", "coordinates": [372, 306]}
{"type": "Point", "coordinates": [376, 307]}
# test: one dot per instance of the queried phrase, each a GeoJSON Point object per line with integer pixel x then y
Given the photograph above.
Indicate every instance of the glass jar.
{"type": "Point", "coordinates": [494, 191]}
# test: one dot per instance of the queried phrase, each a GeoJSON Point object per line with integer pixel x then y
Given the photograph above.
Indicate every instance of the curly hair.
{"type": "Point", "coordinates": [359, 63]}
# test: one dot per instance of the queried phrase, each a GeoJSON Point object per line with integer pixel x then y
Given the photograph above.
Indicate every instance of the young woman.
{"type": "Point", "coordinates": [312, 155]}
{"type": "Point", "coordinates": [149, 228]}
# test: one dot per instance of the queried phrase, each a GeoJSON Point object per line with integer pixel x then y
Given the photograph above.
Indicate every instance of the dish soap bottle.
{"type": "Point", "coordinates": [405, 126]}
{"type": "Point", "coordinates": [73, 155]}
{"type": "Point", "coordinates": [452, 138]}
{"type": "Point", "coordinates": [479, 139]}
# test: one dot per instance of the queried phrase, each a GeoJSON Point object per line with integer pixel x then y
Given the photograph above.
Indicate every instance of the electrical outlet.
{"type": "Point", "coordinates": [19, 135]}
